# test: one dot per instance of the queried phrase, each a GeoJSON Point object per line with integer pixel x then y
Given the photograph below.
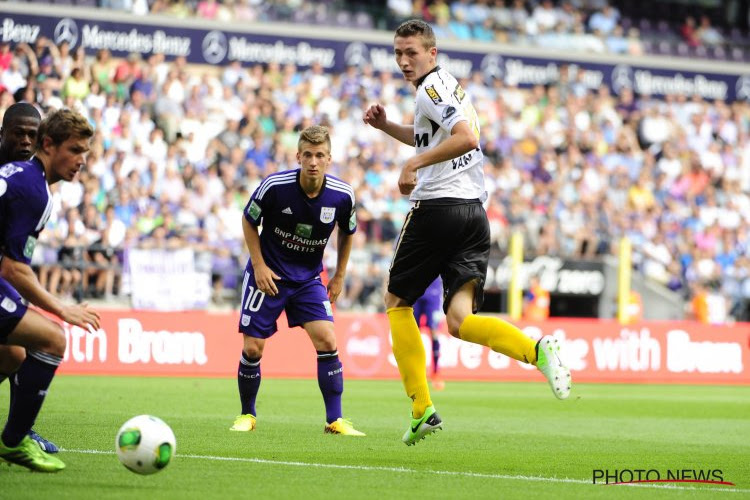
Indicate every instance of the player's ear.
{"type": "Point", "coordinates": [299, 161]}
{"type": "Point", "coordinates": [47, 143]}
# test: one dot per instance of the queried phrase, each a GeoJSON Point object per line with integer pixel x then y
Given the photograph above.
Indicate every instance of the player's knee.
{"type": "Point", "coordinates": [453, 326]}
{"type": "Point", "coordinates": [252, 352]}
{"type": "Point", "coordinates": [391, 301]}
{"type": "Point", "coordinates": [454, 319]}
{"type": "Point", "coordinates": [54, 341]}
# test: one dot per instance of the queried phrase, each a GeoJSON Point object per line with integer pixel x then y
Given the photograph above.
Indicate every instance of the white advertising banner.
{"type": "Point", "coordinates": [167, 280]}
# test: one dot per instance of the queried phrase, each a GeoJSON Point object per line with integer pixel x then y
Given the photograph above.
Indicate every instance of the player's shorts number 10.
{"type": "Point", "coordinates": [254, 299]}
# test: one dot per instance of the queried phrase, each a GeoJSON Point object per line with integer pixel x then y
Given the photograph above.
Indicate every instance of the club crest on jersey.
{"type": "Point", "coordinates": [432, 94]}
{"type": "Point", "coordinates": [327, 214]}
{"type": "Point", "coordinates": [8, 305]}
{"type": "Point", "coordinates": [303, 230]}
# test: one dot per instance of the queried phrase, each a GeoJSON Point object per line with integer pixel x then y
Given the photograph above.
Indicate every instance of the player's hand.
{"type": "Point", "coordinates": [264, 279]}
{"type": "Point", "coordinates": [335, 286]}
{"type": "Point", "coordinates": [407, 181]}
{"type": "Point", "coordinates": [81, 315]}
{"type": "Point", "coordinates": [375, 116]}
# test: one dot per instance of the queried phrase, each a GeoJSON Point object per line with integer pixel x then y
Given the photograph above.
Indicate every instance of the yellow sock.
{"type": "Point", "coordinates": [498, 335]}
{"type": "Point", "coordinates": [410, 357]}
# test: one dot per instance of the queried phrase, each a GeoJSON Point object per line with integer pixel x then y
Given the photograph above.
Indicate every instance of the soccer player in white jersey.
{"type": "Point", "coordinates": [446, 232]}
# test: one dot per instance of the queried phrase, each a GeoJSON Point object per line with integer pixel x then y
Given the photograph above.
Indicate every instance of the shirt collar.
{"type": "Point", "coordinates": [421, 80]}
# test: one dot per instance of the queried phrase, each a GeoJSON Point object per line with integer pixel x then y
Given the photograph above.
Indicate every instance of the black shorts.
{"type": "Point", "coordinates": [449, 237]}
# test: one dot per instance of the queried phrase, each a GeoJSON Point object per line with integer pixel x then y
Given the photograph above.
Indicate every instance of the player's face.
{"type": "Point", "coordinates": [413, 58]}
{"type": "Point", "coordinates": [19, 136]}
{"type": "Point", "coordinates": [314, 160]}
{"type": "Point", "coordinates": [67, 158]}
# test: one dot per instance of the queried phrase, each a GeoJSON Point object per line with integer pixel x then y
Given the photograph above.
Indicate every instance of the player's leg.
{"type": "Point", "coordinates": [464, 280]}
{"type": "Point", "coordinates": [437, 381]}
{"type": "Point", "coordinates": [504, 337]}
{"type": "Point", "coordinates": [310, 308]}
{"type": "Point", "coordinates": [11, 358]}
{"type": "Point", "coordinates": [44, 342]}
{"type": "Point", "coordinates": [258, 315]}
{"type": "Point", "coordinates": [248, 382]}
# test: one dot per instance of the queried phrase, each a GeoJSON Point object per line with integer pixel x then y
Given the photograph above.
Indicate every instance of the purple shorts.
{"type": "Point", "coordinates": [12, 309]}
{"type": "Point", "coordinates": [302, 302]}
{"type": "Point", "coordinates": [428, 307]}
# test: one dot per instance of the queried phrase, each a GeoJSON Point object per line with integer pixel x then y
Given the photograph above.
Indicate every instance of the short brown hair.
{"type": "Point", "coordinates": [61, 125]}
{"type": "Point", "coordinates": [417, 27]}
{"type": "Point", "coordinates": [315, 134]}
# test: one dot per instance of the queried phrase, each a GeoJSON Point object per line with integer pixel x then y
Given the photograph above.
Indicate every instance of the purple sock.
{"type": "Point", "coordinates": [435, 354]}
{"type": "Point", "coordinates": [32, 379]}
{"type": "Point", "coordinates": [331, 383]}
{"type": "Point", "coordinates": [248, 381]}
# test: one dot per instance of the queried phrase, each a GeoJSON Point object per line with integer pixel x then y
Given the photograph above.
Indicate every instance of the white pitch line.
{"type": "Point", "coordinates": [418, 471]}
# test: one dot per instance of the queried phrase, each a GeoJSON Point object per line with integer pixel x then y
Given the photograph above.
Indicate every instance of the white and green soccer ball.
{"type": "Point", "coordinates": [145, 444]}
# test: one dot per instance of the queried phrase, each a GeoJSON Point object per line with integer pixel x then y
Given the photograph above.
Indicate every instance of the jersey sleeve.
{"type": "Point", "coordinates": [347, 215]}
{"type": "Point", "coordinates": [18, 228]}
{"type": "Point", "coordinates": [261, 199]}
{"type": "Point", "coordinates": [436, 102]}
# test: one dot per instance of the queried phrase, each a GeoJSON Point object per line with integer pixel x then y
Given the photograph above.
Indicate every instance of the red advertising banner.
{"type": "Point", "coordinates": [205, 344]}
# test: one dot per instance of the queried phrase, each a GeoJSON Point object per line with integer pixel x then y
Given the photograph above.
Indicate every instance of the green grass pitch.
{"type": "Point", "coordinates": [501, 440]}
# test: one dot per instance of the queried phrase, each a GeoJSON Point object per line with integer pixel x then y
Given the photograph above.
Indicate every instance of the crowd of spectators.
{"type": "Point", "coordinates": [178, 150]}
{"type": "Point", "coordinates": [596, 26]}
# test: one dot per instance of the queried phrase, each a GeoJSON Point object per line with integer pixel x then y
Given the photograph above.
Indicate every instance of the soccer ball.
{"type": "Point", "coordinates": [145, 444]}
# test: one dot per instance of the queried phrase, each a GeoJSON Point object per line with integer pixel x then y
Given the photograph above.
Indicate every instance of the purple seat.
{"type": "Point", "coordinates": [718, 52]}
{"type": "Point", "coordinates": [343, 18]}
{"type": "Point", "coordinates": [363, 20]}
{"type": "Point", "coordinates": [664, 47]}
{"type": "Point", "coordinates": [682, 49]}
{"type": "Point", "coordinates": [737, 54]}
{"type": "Point", "coordinates": [699, 51]}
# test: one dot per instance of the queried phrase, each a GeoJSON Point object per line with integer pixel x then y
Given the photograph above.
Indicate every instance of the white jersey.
{"type": "Point", "coordinates": [441, 103]}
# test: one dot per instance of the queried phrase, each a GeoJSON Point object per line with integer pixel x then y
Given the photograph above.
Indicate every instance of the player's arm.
{"type": "Point", "coordinates": [462, 141]}
{"type": "Point", "coordinates": [22, 278]}
{"type": "Point", "coordinates": [264, 276]}
{"type": "Point", "coordinates": [344, 248]}
{"type": "Point", "coordinates": [375, 117]}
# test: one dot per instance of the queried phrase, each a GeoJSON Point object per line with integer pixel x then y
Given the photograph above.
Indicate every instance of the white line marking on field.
{"type": "Point", "coordinates": [418, 471]}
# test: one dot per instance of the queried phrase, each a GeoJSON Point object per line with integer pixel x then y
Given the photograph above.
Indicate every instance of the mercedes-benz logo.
{"type": "Point", "coordinates": [493, 67]}
{"type": "Point", "coordinates": [622, 78]}
{"type": "Point", "coordinates": [66, 31]}
{"type": "Point", "coordinates": [214, 47]}
{"type": "Point", "coordinates": [742, 88]}
{"type": "Point", "coordinates": [357, 54]}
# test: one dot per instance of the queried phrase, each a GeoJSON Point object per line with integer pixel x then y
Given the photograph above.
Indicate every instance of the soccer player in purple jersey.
{"type": "Point", "coordinates": [429, 307]}
{"type": "Point", "coordinates": [25, 206]}
{"type": "Point", "coordinates": [17, 137]}
{"type": "Point", "coordinates": [298, 210]}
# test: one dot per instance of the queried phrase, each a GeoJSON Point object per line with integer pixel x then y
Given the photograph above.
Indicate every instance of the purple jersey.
{"type": "Point", "coordinates": [428, 305]}
{"type": "Point", "coordinates": [296, 228]}
{"type": "Point", "coordinates": [25, 206]}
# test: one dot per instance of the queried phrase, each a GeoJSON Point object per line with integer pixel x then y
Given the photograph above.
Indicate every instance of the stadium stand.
{"type": "Point", "coordinates": [179, 148]}
{"type": "Point", "coordinates": [713, 30]}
